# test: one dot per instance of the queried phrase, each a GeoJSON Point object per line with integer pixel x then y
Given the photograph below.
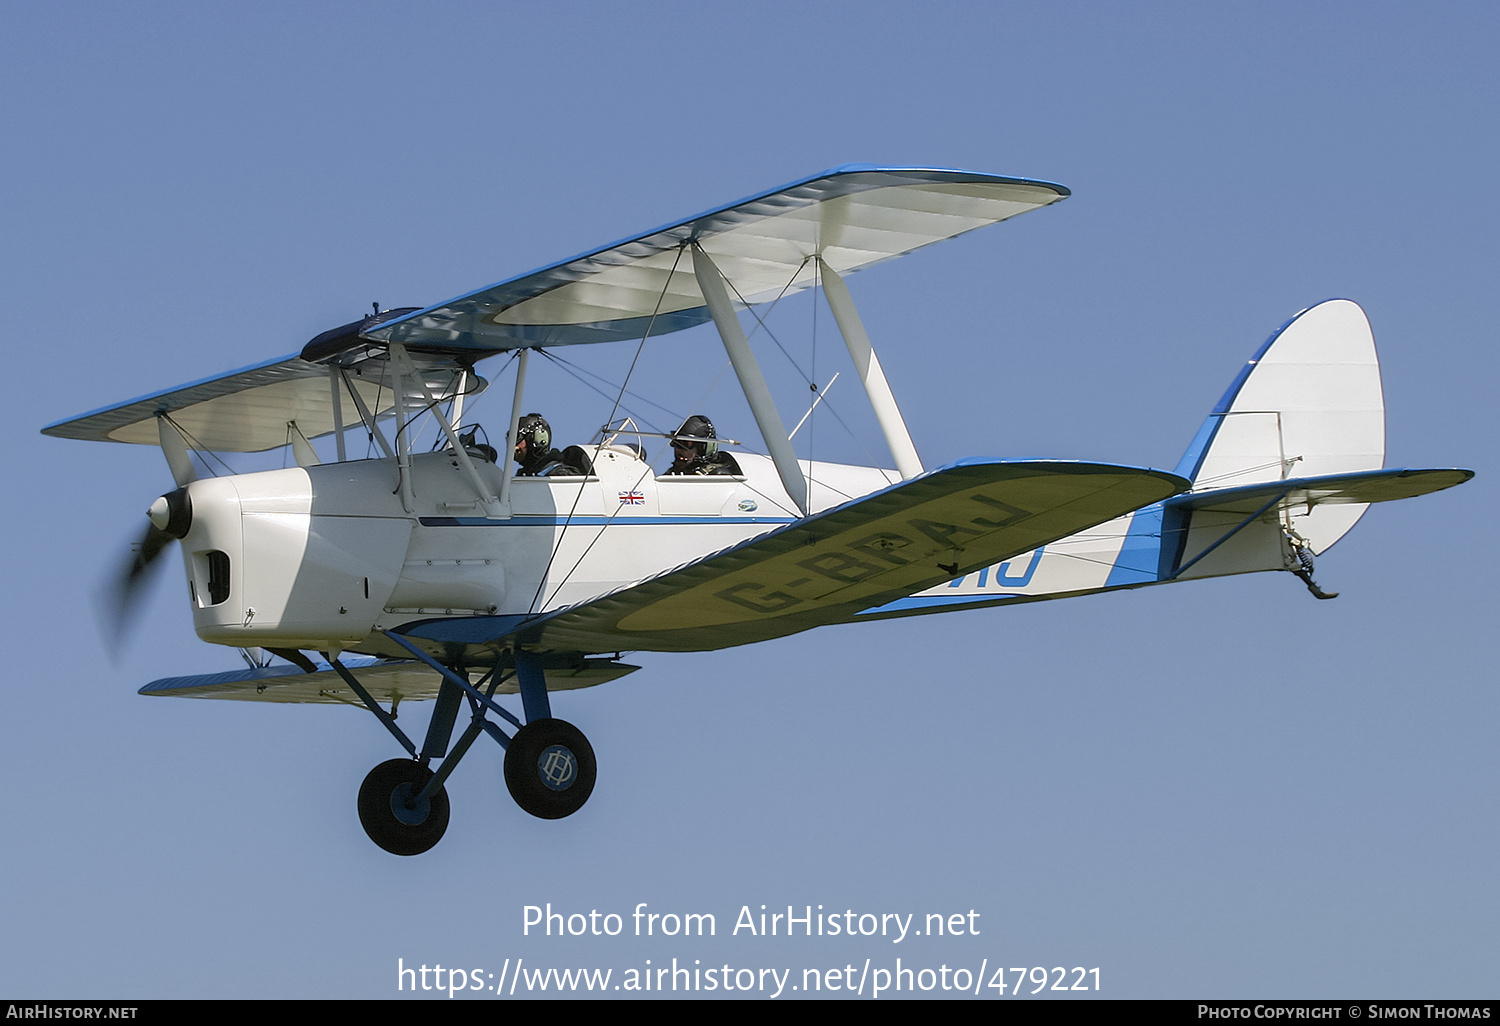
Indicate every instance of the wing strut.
{"type": "Point", "coordinates": [507, 459]}
{"type": "Point", "coordinates": [302, 449]}
{"type": "Point", "coordinates": [174, 448]}
{"type": "Point", "coordinates": [338, 410]}
{"type": "Point", "coordinates": [489, 504]}
{"type": "Point", "coordinates": [366, 416]}
{"type": "Point", "coordinates": [403, 439]}
{"type": "Point", "coordinates": [711, 284]}
{"type": "Point", "coordinates": [868, 364]}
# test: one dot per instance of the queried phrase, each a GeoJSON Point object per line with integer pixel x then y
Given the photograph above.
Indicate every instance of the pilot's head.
{"type": "Point", "coordinates": [533, 435]}
{"type": "Point", "coordinates": [694, 440]}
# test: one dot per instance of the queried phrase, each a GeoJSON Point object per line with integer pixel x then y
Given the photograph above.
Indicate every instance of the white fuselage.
{"type": "Point", "coordinates": [324, 557]}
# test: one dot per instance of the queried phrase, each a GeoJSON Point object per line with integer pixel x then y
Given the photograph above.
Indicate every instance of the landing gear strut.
{"type": "Point", "coordinates": [1304, 567]}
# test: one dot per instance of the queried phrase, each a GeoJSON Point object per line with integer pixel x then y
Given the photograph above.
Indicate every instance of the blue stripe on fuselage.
{"type": "Point", "coordinates": [1139, 561]}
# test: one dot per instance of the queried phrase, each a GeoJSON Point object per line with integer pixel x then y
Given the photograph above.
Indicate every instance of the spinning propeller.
{"type": "Point", "coordinates": [170, 516]}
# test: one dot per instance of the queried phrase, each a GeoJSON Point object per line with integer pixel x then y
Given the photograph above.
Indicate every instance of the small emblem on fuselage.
{"type": "Point", "coordinates": [748, 506]}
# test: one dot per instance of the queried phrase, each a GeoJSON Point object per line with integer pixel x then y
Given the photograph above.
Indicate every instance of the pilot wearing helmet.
{"type": "Point", "coordinates": [695, 450]}
{"type": "Point", "coordinates": [534, 450]}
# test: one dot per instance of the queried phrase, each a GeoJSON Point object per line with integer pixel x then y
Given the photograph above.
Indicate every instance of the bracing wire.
{"type": "Point", "coordinates": [760, 323]}
{"type": "Point", "coordinates": [198, 447]}
{"type": "Point", "coordinates": [833, 412]}
{"type": "Point", "coordinates": [557, 547]}
{"type": "Point", "coordinates": [577, 373]}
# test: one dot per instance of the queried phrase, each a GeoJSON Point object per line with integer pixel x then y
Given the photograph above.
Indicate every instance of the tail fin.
{"type": "Point", "coordinates": [1308, 404]}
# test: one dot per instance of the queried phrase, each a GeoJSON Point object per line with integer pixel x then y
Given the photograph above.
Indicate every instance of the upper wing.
{"type": "Point", "coordinates": [249, 410]}
{"type": "Point", "coordinates": [824, 568]}
{"type": "Point", "coordinates": [853, 216]}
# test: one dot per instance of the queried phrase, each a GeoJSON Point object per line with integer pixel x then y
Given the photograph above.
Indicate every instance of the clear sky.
{"type": "Point", "coordinates": [1222, 788]}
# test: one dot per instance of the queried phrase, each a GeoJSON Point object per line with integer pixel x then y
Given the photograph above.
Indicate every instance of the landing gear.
{"type": "Point", "coordinates": [1304, 567]}
{"type": "Point", "coordinates": [393, 814]}
{"type": "Point", "coordinates": [549, 764]}
{"type": "Point", "coordinates": [550, 768]}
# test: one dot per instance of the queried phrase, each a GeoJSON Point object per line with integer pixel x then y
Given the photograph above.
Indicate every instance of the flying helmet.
{"type": "Point", "coordinates": [534, 430]}
{"type": "Point", "coordinates": [700, 429]}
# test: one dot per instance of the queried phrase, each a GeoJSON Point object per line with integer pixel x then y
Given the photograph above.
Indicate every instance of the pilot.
{"type": "Point", "coordinates": [695, 450]}
{"type": "Point", "coordinates": [534, 450]}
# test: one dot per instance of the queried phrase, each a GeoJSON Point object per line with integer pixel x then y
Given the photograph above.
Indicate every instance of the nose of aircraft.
{"type": "Point", "coordinates": [172, 513]}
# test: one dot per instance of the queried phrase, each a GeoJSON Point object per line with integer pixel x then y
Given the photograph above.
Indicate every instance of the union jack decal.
{"type": "Point", "coordinates": [632, 499]}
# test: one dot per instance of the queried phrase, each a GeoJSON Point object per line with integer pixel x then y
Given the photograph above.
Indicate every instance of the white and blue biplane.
{"type": "Point", "coordinates": [444, 575]}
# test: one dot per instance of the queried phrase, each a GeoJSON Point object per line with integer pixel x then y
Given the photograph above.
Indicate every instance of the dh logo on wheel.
{"type": "Point", "coordinates": [557, 767]}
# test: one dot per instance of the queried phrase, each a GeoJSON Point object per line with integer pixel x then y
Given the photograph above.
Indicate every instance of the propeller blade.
{"type": "Point", "coordinates": [122, 595]}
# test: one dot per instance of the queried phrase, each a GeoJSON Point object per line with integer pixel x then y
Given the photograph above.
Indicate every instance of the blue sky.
{"type": "Point", "coordinates": [1219, 789]}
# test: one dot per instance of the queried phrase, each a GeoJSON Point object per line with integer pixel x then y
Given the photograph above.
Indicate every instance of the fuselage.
{"type": "Point", "coordinates": [328, 557]}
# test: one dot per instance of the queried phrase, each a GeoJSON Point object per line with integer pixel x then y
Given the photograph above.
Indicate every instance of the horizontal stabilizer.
{"type": "Point", "coordinates": [826, 567]}
{"type": "Point", "coordinates": [1303, 493]}
{"type": "Point", "coordinates": [387, 680]}
{"type": "Point", "coordinates": [1262, 526]}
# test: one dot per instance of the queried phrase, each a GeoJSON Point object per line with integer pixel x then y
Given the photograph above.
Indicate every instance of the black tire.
{"type": "Point", "coordinates": [550, 768]}
{"type": "Point", "coordinates": [383, 812]}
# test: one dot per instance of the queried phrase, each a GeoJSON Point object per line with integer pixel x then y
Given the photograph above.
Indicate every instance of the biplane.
{"type": "Point", "coordinates": [406, 575]}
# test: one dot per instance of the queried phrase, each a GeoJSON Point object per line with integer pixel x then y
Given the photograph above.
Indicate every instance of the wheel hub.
{"type": "Point", "coordinates": [406, 808]}
{"type": "Point", "coordinates": [558, 767]}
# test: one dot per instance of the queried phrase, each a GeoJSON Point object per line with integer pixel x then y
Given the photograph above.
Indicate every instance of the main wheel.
{"type": "Point", "coordinates": [390, 814]}
{"type": "Point", "coordinates": [550, 768]}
